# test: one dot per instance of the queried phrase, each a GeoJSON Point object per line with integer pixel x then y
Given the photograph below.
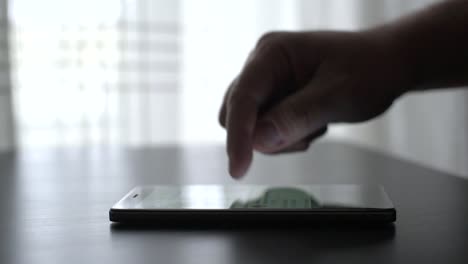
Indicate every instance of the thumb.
{"type": "Point", "coordinates": [293, 119]}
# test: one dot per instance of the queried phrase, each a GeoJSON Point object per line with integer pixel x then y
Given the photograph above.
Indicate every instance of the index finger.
{"type": "Point", "coordinates": [253, 88]}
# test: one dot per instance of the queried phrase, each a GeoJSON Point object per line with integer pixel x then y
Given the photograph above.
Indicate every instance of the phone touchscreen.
{"type": "Point", "coordinates": [216, 197]}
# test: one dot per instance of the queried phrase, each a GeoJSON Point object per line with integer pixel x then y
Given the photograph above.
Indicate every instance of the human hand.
{"type": "Point", "coordinates": [294, 84]}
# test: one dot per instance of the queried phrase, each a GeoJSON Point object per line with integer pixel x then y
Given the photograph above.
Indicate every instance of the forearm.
{"type": "Point", "coordinates": [433, 44]}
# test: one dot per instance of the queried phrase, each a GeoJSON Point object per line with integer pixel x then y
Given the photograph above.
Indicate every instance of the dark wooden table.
{"type": "Point", "coordinates": [55, 209]}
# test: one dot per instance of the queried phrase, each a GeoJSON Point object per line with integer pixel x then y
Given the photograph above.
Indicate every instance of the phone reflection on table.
{"type": "Point", "coordinates": [279, 198]}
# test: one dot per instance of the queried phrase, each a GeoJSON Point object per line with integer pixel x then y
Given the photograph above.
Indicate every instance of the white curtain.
{"type": "Point", "coordinates": [7, 138]}
{"type": "Point", "coordinates": [95, 72]}
{"type": "Point", "coordinates": [143, 72]}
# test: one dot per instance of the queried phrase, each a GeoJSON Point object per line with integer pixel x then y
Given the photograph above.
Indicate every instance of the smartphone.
{"type": "Point", "coordinates": [250, 204]}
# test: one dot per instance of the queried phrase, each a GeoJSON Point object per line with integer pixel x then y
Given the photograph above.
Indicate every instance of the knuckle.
{"type": "Point", "coordinates": [294, 120]}
{"type": "Point", "coordinates": [266, 38]}
{"type": "Point", "coordinates": [274, 57]}
{"type": "Point", "coordinates": [271, 41]}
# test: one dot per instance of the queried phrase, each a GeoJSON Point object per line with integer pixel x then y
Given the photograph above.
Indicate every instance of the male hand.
{"type": "Point", "coordinates": [294, 84]}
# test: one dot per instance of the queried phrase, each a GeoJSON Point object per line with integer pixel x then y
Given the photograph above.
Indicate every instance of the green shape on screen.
{"type": "Point", "coordinates": [279, 198]}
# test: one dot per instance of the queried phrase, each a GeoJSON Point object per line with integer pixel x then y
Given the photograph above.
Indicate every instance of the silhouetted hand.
{"type": "Point", "coordinates": [294, 84]}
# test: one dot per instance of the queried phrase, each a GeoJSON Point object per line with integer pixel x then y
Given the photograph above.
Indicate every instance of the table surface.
{"type": "Point", "coordinates": [55, 208]}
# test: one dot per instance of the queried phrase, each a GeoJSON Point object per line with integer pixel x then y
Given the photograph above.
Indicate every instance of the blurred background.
{"type": "Point", "coordinates": [153, 72]}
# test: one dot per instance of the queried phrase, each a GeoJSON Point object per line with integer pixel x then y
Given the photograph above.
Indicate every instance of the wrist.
{"type": "Point", "coordinates": [398, 57]}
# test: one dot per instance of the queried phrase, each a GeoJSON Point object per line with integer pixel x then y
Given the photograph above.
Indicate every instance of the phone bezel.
{"type": "Point", "coordinates": [123, 212]}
